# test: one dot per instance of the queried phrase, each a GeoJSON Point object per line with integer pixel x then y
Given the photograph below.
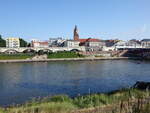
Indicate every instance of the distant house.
{"type": "Point", "coordinates": [71, 43]}
{"type": "Point", "coordinates": [60, 42]}
{"type": "Point", "coordinates": [110, 43]}
{"type": "Point", "coordinates": [91, 44]}
{"type": "Point", "coordinates": [105, 48]}
{"type": "Point", "coordinates": [56, 42]}
{"type": "Point", "coordinates": [12, 42]}
{"type": "Point", "coordinates": [43, 44]}
{"type": "Point", "coordinates": [121, 43]}
{"type": "Point", "coordinates": [145, 43]}
{"type": "Point", "coordinates": [133, 43]}
{"type": "Point", "coordinates": [52, 42]}
{"type": "Point", "coordinates": [128, 44]}
{"type": "Point", "coordinates": [39, 44]}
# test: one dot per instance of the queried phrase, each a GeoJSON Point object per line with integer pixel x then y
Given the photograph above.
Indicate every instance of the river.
{"type": "Point", "coordinates": [20, 82]}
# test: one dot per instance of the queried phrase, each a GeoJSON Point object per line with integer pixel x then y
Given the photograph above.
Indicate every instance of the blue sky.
{"type": "Point", "coordinates": [104, 19]}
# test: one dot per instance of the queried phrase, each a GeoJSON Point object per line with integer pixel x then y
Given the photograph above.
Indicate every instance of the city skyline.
{"type": "Point", "coordinates": [97, 19]}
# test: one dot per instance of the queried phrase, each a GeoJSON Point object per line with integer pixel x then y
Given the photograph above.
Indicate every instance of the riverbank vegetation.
{"type": "Point", "coordinates": [15, 56]}
{"type": "Point", "coordinates": [64, 54]}
{"type": "Point", "coordinates": [121, 101]}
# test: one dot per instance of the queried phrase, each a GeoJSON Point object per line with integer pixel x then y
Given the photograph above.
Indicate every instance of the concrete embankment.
{"type": "Point", "coordinates": [65, 59]}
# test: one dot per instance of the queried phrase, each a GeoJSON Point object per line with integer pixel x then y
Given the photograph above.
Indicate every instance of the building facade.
{"type": "Point", "coordinates": [133, 43]}
{"type": "Point", "coordinates": [12, 42]}
{"type": "Point", "coordinates": [39, 44]}
{"type": "Point", "coordinates": [91, 44]}
{"type": "Point", "coordinates": [71, 43]}
{"type": "Point", "coordinates": [56, 42]}
{"type": "Point", "coordinates": [145, 43]}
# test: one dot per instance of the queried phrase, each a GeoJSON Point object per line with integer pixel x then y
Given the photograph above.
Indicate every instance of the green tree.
{"type": "Point", "coordinates": [2, 42]}
{"type": "Point", "coordinates": [29, 45]}
{"type": "Point", "coordinates": [23, 43]}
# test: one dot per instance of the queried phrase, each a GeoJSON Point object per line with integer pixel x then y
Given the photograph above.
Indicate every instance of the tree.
{"type": "Point", "coordinates": [2, 42]}
{"type": "Point", "coordinates": [23, 43]}
{"type": "Point", "coordinates": [29, 45]}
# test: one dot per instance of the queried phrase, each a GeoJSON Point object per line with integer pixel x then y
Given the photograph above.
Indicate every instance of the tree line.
{"type": "Point", "coordinates": [2, 42]}
{"type": "Point", "coordinates": [23, 43]}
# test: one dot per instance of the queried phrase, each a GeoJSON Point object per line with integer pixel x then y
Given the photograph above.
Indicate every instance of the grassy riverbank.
{"type": "Point", "coordinates": [15, 56]}
{"type": "Point", "coordinates": [82, 104]}
{"type": "Point", "coordinates": [64, 54]}
{"type": "Point", "coordinates": [56, 55]}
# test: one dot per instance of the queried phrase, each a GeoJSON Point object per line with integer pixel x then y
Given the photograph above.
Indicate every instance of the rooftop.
{"type": "Point", "coordinates": [145, 40]}
{"type": "Point", "coordinates": [89, 40]}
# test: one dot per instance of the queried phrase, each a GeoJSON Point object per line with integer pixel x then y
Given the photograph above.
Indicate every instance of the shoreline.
{"type": "Point", "coordinates": [65, 59]}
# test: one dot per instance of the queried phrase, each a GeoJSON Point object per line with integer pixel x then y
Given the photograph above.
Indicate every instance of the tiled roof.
{"type": "Point", "coordinates": [82, 40]}
{"type": "Point", "coordinates": [89, 40]}
{"type": "Point", "coordinates": [44, 43]}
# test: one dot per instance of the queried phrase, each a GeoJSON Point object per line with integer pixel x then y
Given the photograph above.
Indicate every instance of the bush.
{"type": "Point", "coordinates": [64, 54]}
{"type": "Point", "coordinates": [15, 56]}
{"type": "Point", "coordinates": [61, 98]}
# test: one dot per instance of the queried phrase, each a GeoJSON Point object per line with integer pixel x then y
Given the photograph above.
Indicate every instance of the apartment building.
{"type": "Point", "coordinates": [12, 42]}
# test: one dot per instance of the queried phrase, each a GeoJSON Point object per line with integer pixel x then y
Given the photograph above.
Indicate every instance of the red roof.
{"type": "Point", "coordinates": [44, 43]}
{"type": "Point", "coordinates": [82, 40]}
{"type": "Point", "coordinates": [89, 40]}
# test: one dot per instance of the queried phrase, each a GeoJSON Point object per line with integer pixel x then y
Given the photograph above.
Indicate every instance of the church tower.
{"type": "Point", "coordinates": [76, 35]}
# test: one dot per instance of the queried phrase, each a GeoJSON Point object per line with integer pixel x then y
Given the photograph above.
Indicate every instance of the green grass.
{"type": "Point", "coordinates": [110, 98]}
{"type": "Point", "coordinates": [15, 56]}
{"type": "Point", "coordinates": [64, 54]}
{"type": "Point", "coordinates": [51, 107]}
{"type": "Point", "coordinates": [65, 104]}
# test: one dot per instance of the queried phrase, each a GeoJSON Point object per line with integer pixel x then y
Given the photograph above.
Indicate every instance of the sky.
{"type": "Point", "coordinates": [103, 19]}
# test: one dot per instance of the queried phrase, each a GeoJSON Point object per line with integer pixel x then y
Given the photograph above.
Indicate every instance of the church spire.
{"type": "Point", "coordinates": [76, 35]}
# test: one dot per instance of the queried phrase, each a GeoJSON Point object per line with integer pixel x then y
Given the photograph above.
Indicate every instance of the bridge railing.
{"type": "Point", "coordinates": [54, 49]}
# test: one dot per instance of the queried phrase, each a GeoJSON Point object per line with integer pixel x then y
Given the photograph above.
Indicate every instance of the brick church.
{"type": "Point", "coordinates": [83, 41]}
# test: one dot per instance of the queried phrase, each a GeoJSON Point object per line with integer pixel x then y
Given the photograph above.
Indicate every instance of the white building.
{"type": "Point", "coordinates": [145, 43]}
{"type": "Point", "coordinates": [112, 48]}
{"type": "Point", "coordinates": [56, 42]}
{"type": "Point", "coordinates": [71, 43]}
{"type": "Point", "coordinates": [134, 43]}
{"type": "Point", "coordinates": [94, 44]}
{"type": "Point", "coordinates": [12, 42]}
{"type": "Point", "coordinates": [120, 44]}
{"type": "Point", "coordinates": [52, 42]}
{"type": "Point", "coordinates": [127, 44]}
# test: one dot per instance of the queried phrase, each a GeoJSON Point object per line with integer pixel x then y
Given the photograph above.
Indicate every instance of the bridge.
{"type": "Point", "coordinates": [130, 47]}
{"type": "Point", "coordinates": [143, 52]}
{"type": "Point", "coordinates": [46, 49]}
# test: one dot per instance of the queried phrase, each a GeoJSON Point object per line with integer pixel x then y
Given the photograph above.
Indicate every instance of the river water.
{"type": "Point", "coordinates": [20, 82]}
